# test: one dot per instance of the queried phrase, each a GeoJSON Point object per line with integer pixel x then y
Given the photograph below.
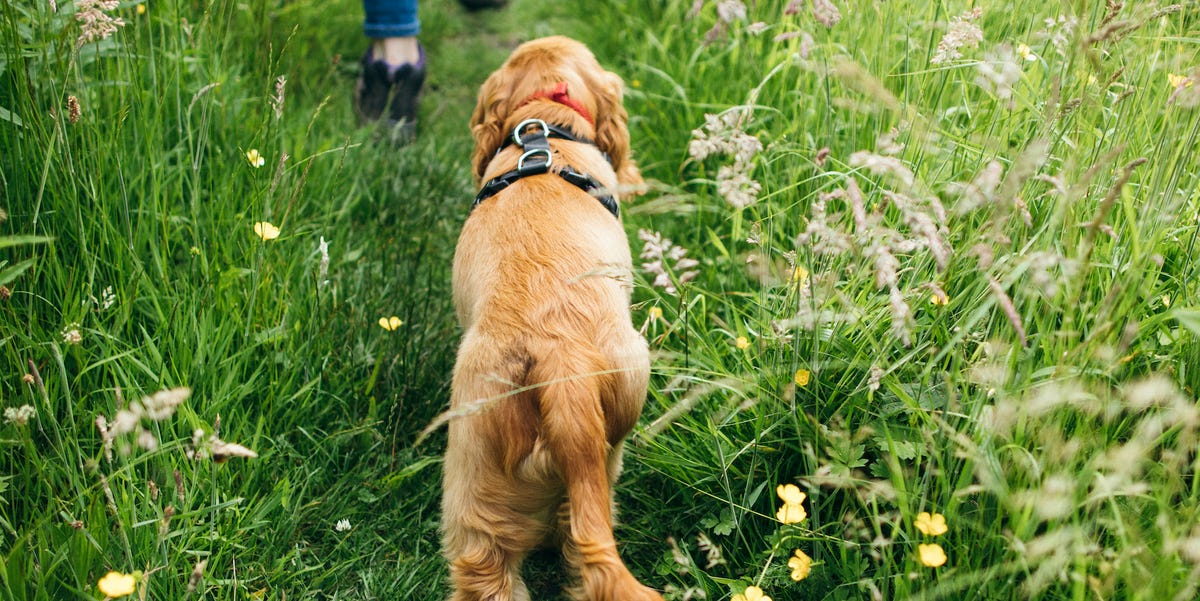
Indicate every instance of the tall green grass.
{"type": "Point", "coordinates": [1036, 386]}
{"type": "Point", "coordinates": [1063, 458]}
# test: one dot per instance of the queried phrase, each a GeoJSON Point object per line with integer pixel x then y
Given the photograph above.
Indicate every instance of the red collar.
{"type": "Point", "coordinates": [559, 94]}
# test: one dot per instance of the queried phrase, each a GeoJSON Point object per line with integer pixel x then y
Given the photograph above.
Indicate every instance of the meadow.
{"type": "Point", "coordinates": [921, 281]}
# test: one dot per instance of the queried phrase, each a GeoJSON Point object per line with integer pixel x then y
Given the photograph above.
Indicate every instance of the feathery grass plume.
{"type": "Point", "coordinates": [197, 576]}
{"type": "Point", "coordinates": [323, 263]}
{"type": "Point", "coordinates": [156, 407]}
{"type": "Point", "coordinates": [826, 13]}
{"type": "Point", "coordinates": [962, 33]}
{"type": "Point", "coordinates": [665, 258]}
{"type": "Point", "coordinates": [73, 109]}
{"type": "Point", "coordinates": [1058, 32]}
{"type": "Point", "coordinates": [855, 77]}
{"type": "Point", "coordinates": [95, 24]}
{"type": "Point", "coordinates": [278, 99]}
{"type": "Point", "coordinates": [980, 192]}
{"type": "Point", "coordinates": [723, 135]}
{"type": "Point", "coordinates": [1010, 311]}
{"type": "Point", "coordinates": [998, 72]}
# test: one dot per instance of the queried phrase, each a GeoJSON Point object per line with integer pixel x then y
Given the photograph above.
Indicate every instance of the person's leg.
{"type": "Point", "coordinates": [393, 26]}
{"type": "Point", "coordinates": [393, 68]}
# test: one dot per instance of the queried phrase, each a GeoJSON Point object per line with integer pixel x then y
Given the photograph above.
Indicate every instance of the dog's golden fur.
{"type": "Point", "coordinates": [541, 288]}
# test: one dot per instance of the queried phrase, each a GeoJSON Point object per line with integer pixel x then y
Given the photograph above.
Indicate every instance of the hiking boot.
{"type": "Point", "coordinates": [474, 5]}
{"type": "Point", "coordinates": [389, 93]}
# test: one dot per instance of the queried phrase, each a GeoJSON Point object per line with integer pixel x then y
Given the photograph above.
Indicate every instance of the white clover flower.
{"type": "Point", "coordinates": [342, 525]}
{"type": "Point", "coordinates": [19, 416]}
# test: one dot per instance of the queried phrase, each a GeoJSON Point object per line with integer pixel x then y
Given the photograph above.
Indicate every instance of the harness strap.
{"type": "Point", "coordinates": [537, 160]}
{"type": "Point", "coordinates": [558, 133]}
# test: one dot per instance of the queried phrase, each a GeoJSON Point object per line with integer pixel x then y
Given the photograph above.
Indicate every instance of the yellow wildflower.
{"type": "Point", "coordinates": [1166, 300]}
{"type": "Point", "coordinates": [116, 584]}
{"type": "Point", "coordinates": [802, 377]}
{"type": "Point", "coordinates": [1179, 80]}
{"type": "Point", "coordinates": [799, 274]}
{"type": "Point", "coordinates": [390, 323]}
{"type": "Point", "coordinates": [656, 313]}
{"type": "Point", "coordinates": [254, 158]}
{"type": "Point", "coordinates": [801, 565]}
{"type": "Point", "coordinates": [931, 524]}
{"type": "Point", "coordinates": [752, 593]}
{"type": "Point", "coordinates": [939, 298]}
{"type": "Point", "coordinates": [1025, 52]}
{"type": "Point", "coordinates": [141, 9]}
{"type": "Point", "coordinates": [742, 343]}
{"type": "Point", "coordinates": [265, 230]}
{"type": "Point", "coordinates": [792, 511]}
{"type": "Point", "coordinates": [931, 555]}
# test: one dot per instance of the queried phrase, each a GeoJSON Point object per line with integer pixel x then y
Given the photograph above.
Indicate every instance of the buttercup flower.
{"type": "Point", "coordinates": [116, 584]}
{"type": "Point", "coordinates": [141, 9]}
{"type": "Point", "coordinates": [752, 593]}
{"type": "Point", "coordinates": [801, 565]}
{"type": "Point", "coordinates": [742, 343]}
{"type": "Point", "coordinates": [1025, 52]}
{"type": "Point", "coordinates": [792, 511]}
{"type": "Point", "coordinates": [802, 377]}
{"type": "Point", "coordinates": [931, 555]}
{"type": "Point", "coordinates": [266, 231]}
{"type": "Point", "coordinates": [939, 298]}
{"type": "Point", "coordinates": [1179, 80]}
{"type": "Point", "coordinates": [799, 274]}
{"type": "Point", "coordinates": [390, 323]}
{"type": "Point", "coordinates": [256, 160]}
{"type": "Point", "coordinates": [655, 313]}
{"type": "Point", "coordinates": [931, 524]}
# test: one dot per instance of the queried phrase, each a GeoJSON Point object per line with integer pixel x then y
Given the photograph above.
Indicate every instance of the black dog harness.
{"type": "Point", "coordinates": [537, 160]}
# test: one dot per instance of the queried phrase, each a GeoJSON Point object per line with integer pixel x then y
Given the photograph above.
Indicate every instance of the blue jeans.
{"type": "Point", "coordinates": [391, 18]}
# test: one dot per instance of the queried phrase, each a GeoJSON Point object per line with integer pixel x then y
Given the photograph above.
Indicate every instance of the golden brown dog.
{"type": "Point", "coordinates": [551, 375]}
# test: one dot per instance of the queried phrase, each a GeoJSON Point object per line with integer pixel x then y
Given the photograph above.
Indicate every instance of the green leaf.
{"type": "Point", "coordinates": [1188, 318]}
{"type": "Point", "coordinates": [7, 241]}
{"type": "Point", "coordinates": [12, 273]}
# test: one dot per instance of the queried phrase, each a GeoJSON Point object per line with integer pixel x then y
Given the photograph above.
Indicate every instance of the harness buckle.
{"type": "Point", "coordinates": [519, 130]}
{"type": "Point", "coordinates": [538, 167]}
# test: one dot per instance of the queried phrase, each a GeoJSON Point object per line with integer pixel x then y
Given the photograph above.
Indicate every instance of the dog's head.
{"type": "Point", "coordinates": [555, 79]}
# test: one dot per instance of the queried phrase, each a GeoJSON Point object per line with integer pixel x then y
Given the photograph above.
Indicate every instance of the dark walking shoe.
{"type": "Point", "coordinates": [389, 94]}
{"type": "Point", "coordinates": [474, 5]}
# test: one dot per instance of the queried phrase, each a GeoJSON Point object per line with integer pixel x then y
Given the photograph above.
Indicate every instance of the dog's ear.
{"type": "Point", "coordinates": [612, 134]}
{"type": "Point", "coordinates": [487, 121]}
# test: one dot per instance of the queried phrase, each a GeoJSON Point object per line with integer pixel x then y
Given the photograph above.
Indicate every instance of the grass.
{"type": "Point", "coordinates": [1045, 404]}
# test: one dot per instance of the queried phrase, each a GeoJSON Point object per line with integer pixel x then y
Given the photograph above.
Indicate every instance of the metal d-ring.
{"type": "Point", "coordinates": [532, 152]}
{"type": "Point", "coordinates": [520, 129]}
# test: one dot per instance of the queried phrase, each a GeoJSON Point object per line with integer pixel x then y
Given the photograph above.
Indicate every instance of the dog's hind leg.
{"type": "Point", "coordinates": [485, 539]}
{"type": "Point", "coordinates": [486, 528]}
{"type": "Point", "coordinates": [574, 428]}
